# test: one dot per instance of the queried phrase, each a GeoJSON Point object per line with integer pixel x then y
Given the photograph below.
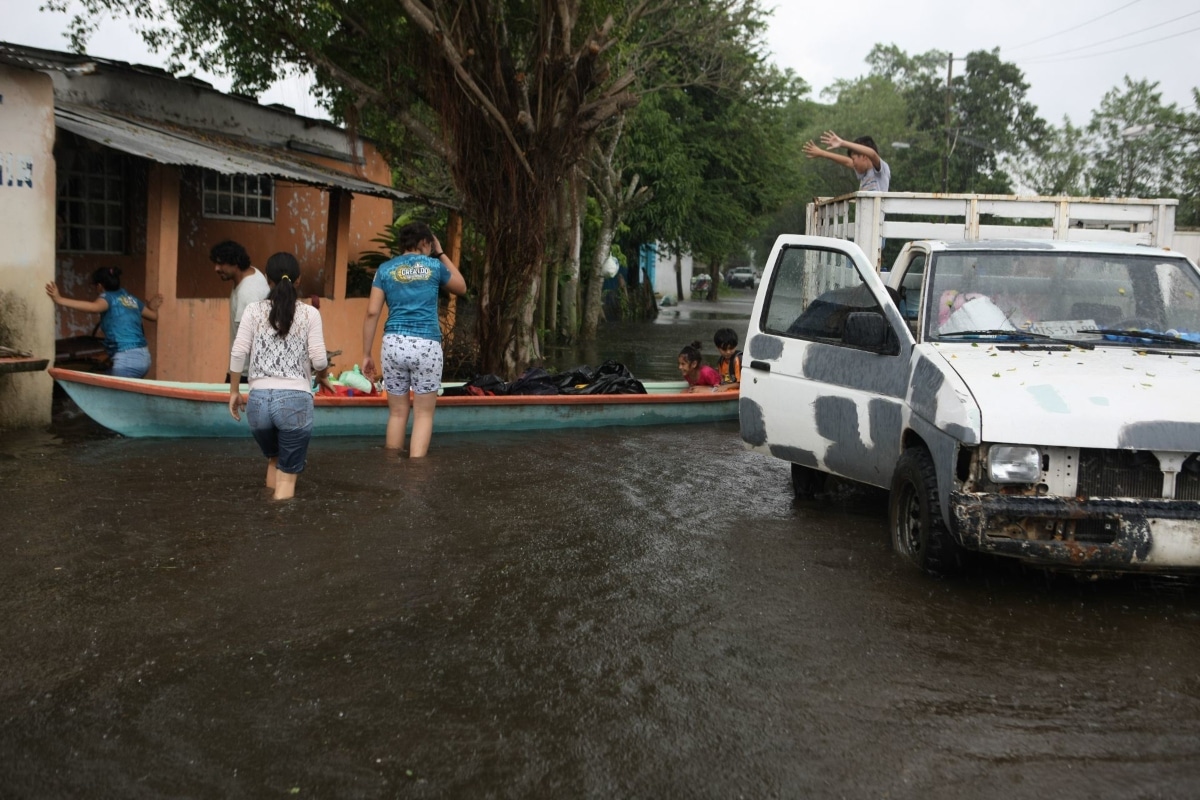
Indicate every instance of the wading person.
{"type": "Point", "coordinates": [232, 263]}
{"type": "Point", "coordinates": [411, 354]}
{"type": "Point", "coordinates": [284, 341]}
{"type": "Point", "coordinates": [121, 316]}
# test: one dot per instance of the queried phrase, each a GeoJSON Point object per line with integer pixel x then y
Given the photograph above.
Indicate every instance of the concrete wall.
{"type": "Point", "coordinates": [665, 267]}
{"type": "Point", "coordinates": [27, 180]}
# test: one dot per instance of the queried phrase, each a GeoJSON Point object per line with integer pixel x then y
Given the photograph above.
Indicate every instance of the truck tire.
{"type": "Point", "coordinates": [915, 517]}
{"type": "Point", "coordinates": [807, 482]}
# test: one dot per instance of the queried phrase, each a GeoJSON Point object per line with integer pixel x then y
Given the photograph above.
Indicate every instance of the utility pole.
{"type": "Point", "coordinates": [946, 150]}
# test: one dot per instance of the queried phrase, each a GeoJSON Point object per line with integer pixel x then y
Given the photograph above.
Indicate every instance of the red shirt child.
{"type": "Point", "coordinates": [699, 376]}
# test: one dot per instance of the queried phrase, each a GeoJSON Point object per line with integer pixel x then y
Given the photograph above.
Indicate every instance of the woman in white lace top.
{"type": "Point", "coordinates": [283, 341]}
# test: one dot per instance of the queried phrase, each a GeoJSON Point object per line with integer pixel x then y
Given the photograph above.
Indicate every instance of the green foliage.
{"type": "Point", "coordinates": [1136, 143]}
{"type": "Point", "coordinates": [870, 106]}
{"type": "Point", "coordinates": [962, 136]}
{"type": "Point", "coordinates": [720, 162]}
{"type": "Point", "coordinates": [1058, 163]}
{"type": "Point", "coordinates": [1188, 212]}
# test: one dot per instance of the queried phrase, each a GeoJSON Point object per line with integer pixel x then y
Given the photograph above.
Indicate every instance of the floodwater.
{"type": "Point", "coordinates": [651, 349]}
{"type": "Point", "coordinates": [607, 613]}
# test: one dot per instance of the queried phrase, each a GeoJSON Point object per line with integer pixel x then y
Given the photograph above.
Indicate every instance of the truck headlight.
{"type": "Point", "coordinates": [1014, 464]}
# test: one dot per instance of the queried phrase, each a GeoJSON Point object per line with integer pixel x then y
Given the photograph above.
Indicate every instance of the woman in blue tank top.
{"type": "Point", "coordinates": [121, 316]}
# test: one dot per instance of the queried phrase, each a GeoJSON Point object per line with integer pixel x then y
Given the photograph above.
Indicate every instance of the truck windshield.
{"type": "Point", "coordinates": [1095, 297]}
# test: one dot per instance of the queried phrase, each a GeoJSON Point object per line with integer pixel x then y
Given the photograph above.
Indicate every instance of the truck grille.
{"type": "Point", "coordinates": [1131, 473]}
{"type": "Point", "coordinates": [1187, 482]}
{"type": "Point", "coordinates": [1119, 473]}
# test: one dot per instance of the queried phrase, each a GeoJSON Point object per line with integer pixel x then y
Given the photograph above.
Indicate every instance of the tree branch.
{"type": "Point", "coordinates": [424, 19]}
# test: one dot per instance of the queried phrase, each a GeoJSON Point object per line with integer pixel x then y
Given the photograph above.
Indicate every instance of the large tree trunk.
{"type": "Point", "coordinates": [678, 276]}
{"type": "Point", "coordinates": [519, 106]}
{"type": "Point", "coordinates": [595, 277]}
{"type": "Point", "coordinates": [714, 270]}
{"type": "Point", "coordinates": [576, 199]}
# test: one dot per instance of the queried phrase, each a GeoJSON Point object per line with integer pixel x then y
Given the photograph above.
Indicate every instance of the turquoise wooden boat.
{"type": "Point", "coordinates": [146, 408]}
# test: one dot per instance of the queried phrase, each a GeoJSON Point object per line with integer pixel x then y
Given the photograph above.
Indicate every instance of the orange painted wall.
{"type": "Point", "coordinates": [190, 342]}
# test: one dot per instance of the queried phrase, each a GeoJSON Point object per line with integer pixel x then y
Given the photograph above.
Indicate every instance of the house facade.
{"type": "Point", "coordinates": [111, 164]}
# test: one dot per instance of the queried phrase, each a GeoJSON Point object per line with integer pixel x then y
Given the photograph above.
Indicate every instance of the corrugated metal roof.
{"type": "Point", "coordinates": [168, 144]}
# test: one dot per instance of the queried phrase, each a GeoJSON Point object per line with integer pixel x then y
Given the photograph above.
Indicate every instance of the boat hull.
{"type": "Point", "coordinates": [144, 408]}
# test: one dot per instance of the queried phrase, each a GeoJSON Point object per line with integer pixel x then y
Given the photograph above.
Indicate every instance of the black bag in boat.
{"type": "Point", "coordinates": [611, 377]}
{"type": "Point", "coordinates": [486, 385]}
{"type": "Point", "coordinates": [535, 381]}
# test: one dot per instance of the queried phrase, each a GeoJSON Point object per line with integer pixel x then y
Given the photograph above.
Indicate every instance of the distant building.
{"type": "Point", "coordinates": [106, 163]}
{"type": "Point", "coordinates": [671, 273]}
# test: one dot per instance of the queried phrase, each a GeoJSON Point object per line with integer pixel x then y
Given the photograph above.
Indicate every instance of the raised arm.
{"type": "Point", "coordinates": [811, 150]}
{"type": "Point", "coordinates": [831, 139]}
{"type": "Point", "coordinates": [457, 284]}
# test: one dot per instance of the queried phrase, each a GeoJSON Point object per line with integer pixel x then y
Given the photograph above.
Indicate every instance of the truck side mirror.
{"type": "Point", "coordinates": [870, 331]}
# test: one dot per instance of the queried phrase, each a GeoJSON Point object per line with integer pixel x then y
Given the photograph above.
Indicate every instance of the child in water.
{"type": "Point", "coordinates": [699, 376]}
{"type": "Point", "coordinates": [729, 368]}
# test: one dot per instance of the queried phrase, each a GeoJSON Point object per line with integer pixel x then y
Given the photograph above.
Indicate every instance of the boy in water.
{"type": "Point", "coordinates": [730, 365]}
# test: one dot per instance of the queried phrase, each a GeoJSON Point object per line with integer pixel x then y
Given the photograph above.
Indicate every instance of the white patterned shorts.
{"type": "Point", "coordinates": [411, 362]}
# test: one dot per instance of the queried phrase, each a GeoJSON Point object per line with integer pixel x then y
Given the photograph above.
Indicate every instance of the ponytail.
{"type": "Point", "coordinates": [692, 352]}
{"type": "Point", "coordinates": [282, 271]}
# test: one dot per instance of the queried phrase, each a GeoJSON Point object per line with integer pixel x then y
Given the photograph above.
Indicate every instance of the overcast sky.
{"type": "Point", "coordinates": [1071, 51]}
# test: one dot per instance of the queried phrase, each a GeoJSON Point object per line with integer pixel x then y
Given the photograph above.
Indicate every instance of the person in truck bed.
{"type": "Point", "coordinates": [862, 156]}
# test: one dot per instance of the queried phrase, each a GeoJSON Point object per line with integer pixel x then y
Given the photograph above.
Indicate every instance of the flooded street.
{"type": "Point", "coordinates": [634, 613]}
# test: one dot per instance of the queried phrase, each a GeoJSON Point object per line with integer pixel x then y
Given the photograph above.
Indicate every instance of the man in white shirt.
{"type": "Point", "coordinates": [232, 263]}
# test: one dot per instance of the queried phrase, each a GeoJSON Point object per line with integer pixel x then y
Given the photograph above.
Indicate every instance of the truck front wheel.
{"type": "Point", "coordinates": [915, 517]}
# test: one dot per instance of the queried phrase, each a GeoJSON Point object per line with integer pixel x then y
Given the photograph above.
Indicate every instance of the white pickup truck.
{"type": "Point", "coordinates": [1031, 398]}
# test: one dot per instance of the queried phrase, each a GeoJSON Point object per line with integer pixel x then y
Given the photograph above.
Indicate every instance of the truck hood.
{"type": "Point", "coordinates": [1102, 398]}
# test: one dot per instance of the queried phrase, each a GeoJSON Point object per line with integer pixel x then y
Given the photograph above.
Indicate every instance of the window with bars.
{"type": "Point", "coordinates": [246, 197]}
{"type": "Point", "coordinates": [91, 201]}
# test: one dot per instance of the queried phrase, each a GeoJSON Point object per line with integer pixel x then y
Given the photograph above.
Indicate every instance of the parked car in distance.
{"type": "Point", "coordinates": [742, 278]}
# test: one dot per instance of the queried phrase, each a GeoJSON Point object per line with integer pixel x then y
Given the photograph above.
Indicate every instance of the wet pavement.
{"type": "Point", "coordinates": [612, 613]}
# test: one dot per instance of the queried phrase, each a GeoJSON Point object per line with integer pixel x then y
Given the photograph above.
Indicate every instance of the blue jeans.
{"type": "Point", "coordinates": [133, 363]}
{"type": "Point", "coordinates": [281, 421]}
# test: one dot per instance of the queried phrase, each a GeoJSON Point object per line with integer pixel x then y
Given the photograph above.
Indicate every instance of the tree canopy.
{"type": "Point", "coordinates": [653, 121]}
{"type": "Point", "coordinates": [509, 94]}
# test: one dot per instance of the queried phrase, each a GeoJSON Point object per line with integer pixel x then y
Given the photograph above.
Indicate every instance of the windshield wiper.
{"type": "Point", "coordinates": [1019, 334]}
{"type": "Point", "coordinates": [1134, 334]}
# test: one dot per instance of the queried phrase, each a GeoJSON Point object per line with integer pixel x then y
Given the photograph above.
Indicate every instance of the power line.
{"type": "Point", "coordinates": [1076, 27]}
{"type": "Point", "coordinates": [1106, 41]}
{"type": "Point", "coordinates": [1056, 60]}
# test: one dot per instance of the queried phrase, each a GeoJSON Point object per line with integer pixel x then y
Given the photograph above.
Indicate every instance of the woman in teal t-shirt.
{"type": "Point", "coordinates": [412, 337]}
{"type": "Point", "coordinates": [121, 316]}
